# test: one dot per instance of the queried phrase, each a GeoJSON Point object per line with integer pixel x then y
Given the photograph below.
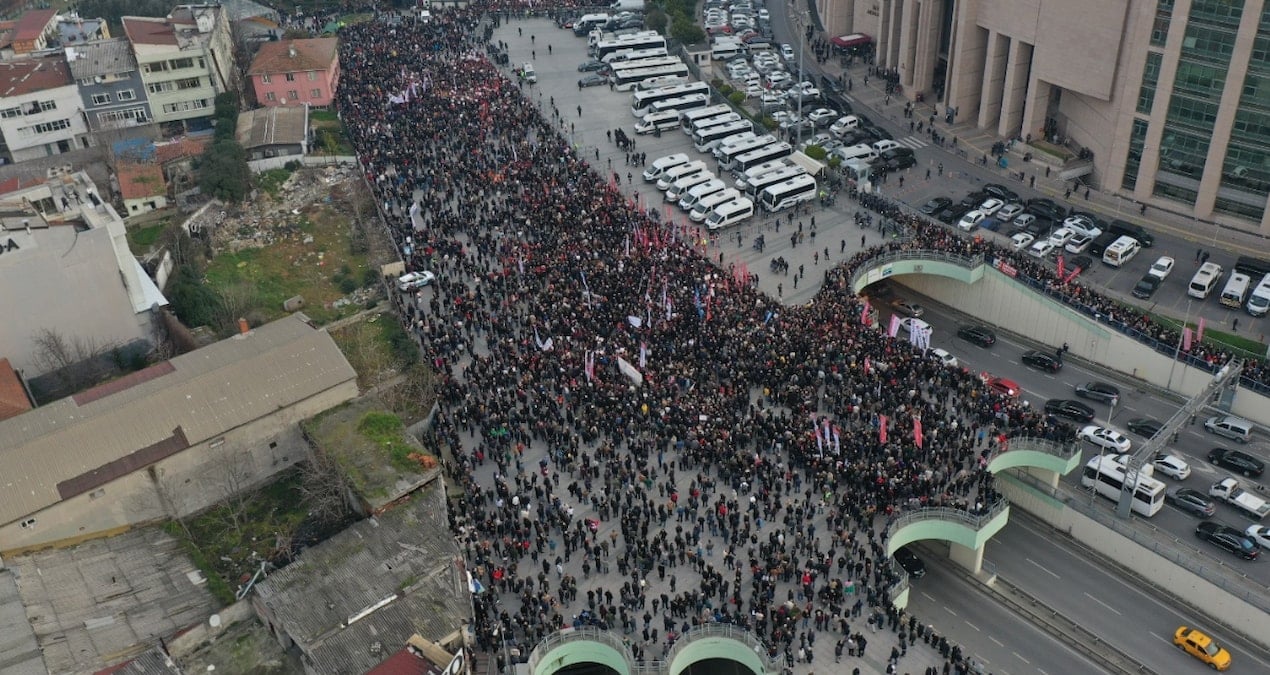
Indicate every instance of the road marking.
{"type": "Point", "coordinates": [980, 659]}
{"type": "Point", "coordinates": [1046, 569]}
{"type": "Point", "coordinates": [1158, 637]}
{"type": "Point", "coordinates": [949, 610]}
{"type": "Point", "coordinates": [1020, 657]}
{"type": "Point", "coordinates": [1103, 604]}
{"type": "Point", "coordinates": [996, 641]}
{"type": "Point", "coordinates": [927, 596]}
{"type": "Point", "coordinates": [1042, 671]}
{"type": "Point", "coordinates": [972, 626]}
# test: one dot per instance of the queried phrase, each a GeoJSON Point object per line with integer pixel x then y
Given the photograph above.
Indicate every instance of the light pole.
{"type": "Point", "coordinates": [802, 46]}
{"type": "Point", "coordinates": [1177, 351]}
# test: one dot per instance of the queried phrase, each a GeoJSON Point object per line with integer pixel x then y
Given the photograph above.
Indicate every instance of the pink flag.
{"type": "Point", "coordinates": [868, 366]}
{"type": "Point", "coordinates": [643, 355]}
{"type": "Point", "coordinates": [1199, 332]}
{"type": "Point", "coordinates": [1060, 265]}
{"type": "Point", "coordinates": [894, 328]}
{"type": "Point", "coordinates": [917, 427]}
{"type": "Point", "coordinates": [1186, 339]}
{"type": "Point", "coordinates": [837, 444]}
{"type": "Point", "coordinates": [881, 428]}
{"type": "Point", "coordinates": [1071, 276]}
{"type": "Point", "coordinates": [865, 312]}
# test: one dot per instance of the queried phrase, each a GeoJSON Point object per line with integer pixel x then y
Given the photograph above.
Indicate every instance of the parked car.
{"type": "Point", "coordinates": [1145, 426]}
{"type": "Point", "coordinates": [935, 205]}
{"type": "Point", "coordinates": [991, 206]}
{"type": "Point", "coordinates": [971, 220]}
{"type": "Point", "coordinates": [1042, 361]}
{"type": "Point", "coordinates": [1061, 236]}
{"type": "Point", "coordinates": [1227, 538]}
{"type": "Point", "coordinates": [1202, 647]}
{"type": "Point", "coordinates": [1161, 267]}
{"type": "Point", "coordinates": [1107, 439]}
{"type": "Point", "coordinates": [1009, 212]}
{"type": "Point", "coordinates": [1001, 192]}
{"type": "Point", "coordinates": [1146, 286]}
{"type": "Point", "coordinates": [1171, 465]}
{"type": "Point", "coordinates": [910, 563]}
{"type": "Point", "coordinates": [1238, 461]}
{"type": "Point", "coordinates": [980, 335]}
{"type": "Point", "coordinates": [1077, 244]}
{"type": "Point", "coordinates": [592, 80]}
{"type": "Point", "coordinates": [1099, 391]}
{"type": "Point", "coordinates": [1021, 241]}
{"type": "Point", "coordinates": [1041, 249]}
{"type": "Point", "coordinates": [1192, 501]}
{"type": "Point", "coordinates": [1069, 409]}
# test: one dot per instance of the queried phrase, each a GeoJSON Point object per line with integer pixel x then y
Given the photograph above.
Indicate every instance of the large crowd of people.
{"type": "Point", "coordinates": [609, 395]}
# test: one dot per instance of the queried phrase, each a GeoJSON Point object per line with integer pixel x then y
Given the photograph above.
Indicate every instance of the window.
{"type": "Point", "coordinates": [185, 106]}
{"type": "Point", "coordinates": [10, 113]}
{"type": "Point", "coordinates": [315, 93]}
{"type": "Point", "coordinates": [273, 444]}
{"type": "Point", "coordinates": [188, 83]}
{"type": "Point", "coordinates": [1150, 77]}
{"type": "Point", "coordinates": [46, 106]}
{"type": "Point", "coordinates": [28, 523]}
{"type": "Point", "coordinates": [271, 96]}
{"type": "Point", "coordinates": [266, 78]}
{"type": "Point", "coordinates": [46, 127]}
{"type": "Point", "coordinates": [156, 67]}
{"type": "Point", "coordinates": [101, 99]}
{"type": "Point", "coordinates": [290, 77]}
{"type": "Point", "coordinates": [178, 64]}
{"type": "Point", "coordinates": [115, 118]}
{"type": "Point", "coordinates": [312, 75]}
{"type": "Point", "coordinates": [125, 95]}
{"type": "Point", "coordinates": [1163, 16]}
{"type": "Point", "coordinates": [201, 62]}
{"type": "Point", "coordinates": [159, 87]}
{"type": "Point", "coordinates": [293, 95]}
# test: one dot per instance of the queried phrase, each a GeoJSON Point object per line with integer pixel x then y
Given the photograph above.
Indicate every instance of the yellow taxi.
{"type": "Point", "coordinates": [1202, 647]}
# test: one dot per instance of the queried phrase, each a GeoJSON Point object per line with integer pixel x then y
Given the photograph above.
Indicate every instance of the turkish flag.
{"type": "Point", "coordinates": [881, 428]}
{"type": "Point", "coordinates": [917, 431]}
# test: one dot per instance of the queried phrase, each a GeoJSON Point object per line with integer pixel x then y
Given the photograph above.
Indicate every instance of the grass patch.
{"type": "Point", "coordinates": [324, 116]}
{"type": "Point", "coordinates": [369, 444]}
{"type": "Point", "coordinates": [143, 238]}
{"type": "Point", "coordinates": [271, 181]}
{"type": "Point", "coordinates": [387, 432]}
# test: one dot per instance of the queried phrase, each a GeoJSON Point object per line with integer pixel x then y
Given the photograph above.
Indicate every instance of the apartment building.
{"type": "Point", "coordinates": [295, 72]}
{"type": "Point", "coordinates": [185, 59]}
{"type": "Point", "coordinates": [110, 85]}
{"type": "Point", "coordinates": [41, 113]}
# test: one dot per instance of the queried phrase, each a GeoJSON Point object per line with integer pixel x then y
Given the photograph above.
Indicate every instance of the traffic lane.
{"type": "Point", "coordinates": [1030, 556]}
{"type": "Point", "coordinates": [987, 631]}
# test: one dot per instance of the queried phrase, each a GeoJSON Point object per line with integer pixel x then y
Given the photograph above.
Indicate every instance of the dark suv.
{"type": "Point", "coordinates": [1238, 461]}
{"type": "Point", "coordinates": [1072, 410]}
{"type": "Point", "coordinates": [1228, 538]}
{"type": "Point", "coordinates": [1098, 391]}
{"type": "Point", "coordinates": [1138, 232]}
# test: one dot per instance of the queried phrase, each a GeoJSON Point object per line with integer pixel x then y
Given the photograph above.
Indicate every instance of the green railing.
{"type": "Point", "coordinates": [945, 513]}
{"type": "Point", "coordinates": [583, 634]}
{"type": "Point", "coordinates": [966, 261]}
{"type": "Point", "coordinates": [771, 666]}
{"type": "Point", "coordinates": [732, 632]}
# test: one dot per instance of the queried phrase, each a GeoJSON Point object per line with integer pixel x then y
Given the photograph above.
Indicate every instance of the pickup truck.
{"type": "Point", "coordinates": [1229, 491]}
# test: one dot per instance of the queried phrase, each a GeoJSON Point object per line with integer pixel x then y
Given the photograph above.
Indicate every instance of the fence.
{"type": "Point", "coordinates": [740, 634]}
{"type": "Point", "coordinates": [967, 261]}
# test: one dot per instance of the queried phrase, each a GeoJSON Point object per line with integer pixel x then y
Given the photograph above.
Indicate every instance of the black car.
{"type": "Point", "coordinates": [910, 562]}
{"type": "Point", "coordinates": [1098, 391]}
{"type": "Point", "coordinates": [591, 66]}
{"type": "Point", "coordinates": [1072, 410]}
{"type": "Point", "coordinates": [974, 199]}
{"type": "Point", "coordinates": [899, 163]}
{"type": "Point", "coordinates": [1041, 200]}
{"type": "Point", "coordinates": [855, 137]}
{"type": "Point", "coordinates": [1042, 361]}
{"type": "Point", "coordinates": [1136, 231]}
{"type": "Point", "coordinates": [1228, 538]}
{"type": "Point", "coordinates": [878, 132]}
{"type": "Point", "coordinates": [980, 335]}
{"type": "Point", "coordinates": [1146, 286]}
{"type": "Point", "coordinates": [952, 214]}
{"type": "Point", "coordinates": [1001, 192]}
{"type": "Point", "coordinates": [592, 80]}
{"type": "Point", "coordinates": [935, 205]}
{"type": "Point", "coordinates": [1054, 213]}
{"type": "Point", "coordinates": [1238, 461]}
{"type": "Point", "coordinates": [1145, 426]}
{"type": "Point", "coordinates": [1192, 501]}
{"type": "Point", "coordinates": [1081, 261]}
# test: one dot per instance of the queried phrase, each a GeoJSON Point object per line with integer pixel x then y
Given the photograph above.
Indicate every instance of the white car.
{"type": "Point", "coordinates": [991, 206]}
{"type": "Point", "coordinates": [1008, 212]}
{"type": "Point", "coordinates": [754, 90]}
{"type": "Point", "coordinates": [1161, 268]}
{"type": "Point", "coordinates": [776, 79]}
{"type": "Point", "coordinates": [844, 124]}
{"type": "Point", "coordinates": [764, 15]}
{"type": "Point", "coordinates": [1108, 439]}
{"type": "Point", "coordinates": [1041, 249]}
{"type": "Point", "coordinates": [1021, 241]}
{"type": "Point", "coordinates": [1082, 225]}
{"type": "Point", "coordinates": [414, 280]}
{"type": "Point", "coordinates": [944, 357]}
{"type": "Point", "coordinates": [971, 220]}
{"type": "Point", "coordinates": [1077, 244]}
{"type": "Point", "coordinates": [909, 324]}
{"type": "Point", "coordinates": [787, 52]}
{"type": "Point", "coordinates": [1171, 465]}
{"type": "Point", "coordinates": [1260, 534]}
{"type": "Point", "coordinates": [821, 115]}
{"type": "Point", "coordinates": [1061, 236]}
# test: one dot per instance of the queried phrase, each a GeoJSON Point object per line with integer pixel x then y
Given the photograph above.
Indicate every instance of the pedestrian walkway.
{"type": "Point", "coordinates": [913, 142]}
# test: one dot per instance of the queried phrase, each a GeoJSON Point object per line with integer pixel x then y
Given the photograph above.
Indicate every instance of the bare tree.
{"type": "Point", "coordinates": [325, 488]}
{"type": "Point", "coordinates": [239, 485]}
{"type": "Point", "coordinates": [172, 498]}
{"type": "Point", "coordinates": [76, 362]}
{"type": "Point", "coordinates": [236, 301]}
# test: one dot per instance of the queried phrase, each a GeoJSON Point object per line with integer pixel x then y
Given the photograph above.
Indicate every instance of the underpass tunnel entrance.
{"type": "Point", "coordinates": [586, 668]}
{"type": "Point", "coordinates": [717, 666]}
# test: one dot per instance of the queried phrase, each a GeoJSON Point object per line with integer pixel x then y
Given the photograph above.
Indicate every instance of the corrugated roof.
{"type": "Point", "coordinates": [27, 76]}
{"type": "Point", "coordinates": [138, 181]}
{"type": "Point", "coordinates": [362, 566]}
{"type": "Point", "coordinates": [152, 662]}
{"type": "Point", "coordinates": [210, 391]}
{"type": "Point", "coordinates": [19, 648]}
{"type": "Point", "coordinates": [274, 125]}
{"type": "Point", "coordinates": [103, 57]}
{"type": "Point", "coordinates": [294, 56]}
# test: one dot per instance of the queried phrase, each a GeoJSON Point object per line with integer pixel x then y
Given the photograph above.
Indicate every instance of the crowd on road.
{"type": "Point", "coordinates": [645, 441]}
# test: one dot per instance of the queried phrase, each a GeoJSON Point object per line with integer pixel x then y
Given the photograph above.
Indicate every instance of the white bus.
{"type": "Point", "coordinates": [728, 152]}
{"type": "Point", "coordinates": [788, 193]}
{"type": "Point", "coordinates": [755, 171]}
{"type": "Point", "coordinates": [699, 192]}
{"type": "Point", "coordinates": [634, 55]}
{"type": "Point", "coordinates": [1104, 475]}
{"type": "Point", "coordinates": [755, 186]}
{"type": "Point", "coordinates": [645, 40]}
{"type": "Point", "coordinates": [664, 75]}
{"type": "Point", "coordinates": [690, 117]}
{"type": "Point", "coordinates": [704, 123]}
{"type": "Point", "coordinates": [680, 103]}
{"type": "Point", "coordinates": [706, 138]}
{"type": "Point", "coordinates": [642, 101]}
{"type": "Point", "coordinates": [661, 81]}
{"type": "Point", "coordinates": [753, 158]}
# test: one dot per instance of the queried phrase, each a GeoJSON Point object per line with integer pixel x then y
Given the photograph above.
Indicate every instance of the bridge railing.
{"type": "Point", "coordinates": [1064, 450]}
{"type": "Point", "coordinates": [974, 521]}
{"type": "Point", "coordinates": [730, 631]}
{"type": "Point", "coordinates": [967, 261]}
{"type": "Point", "coordinates": [654, 666]}
{"type": "Point", "coordinates": [581, 634]}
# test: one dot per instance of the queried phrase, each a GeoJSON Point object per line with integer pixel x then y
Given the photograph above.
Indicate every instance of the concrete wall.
{"type": "Point", "coordinates": [261, 165]}
{"type": "Point", "coordinates": [1188, 587]}
{"type": "Point", "coordinates": [182, 484]}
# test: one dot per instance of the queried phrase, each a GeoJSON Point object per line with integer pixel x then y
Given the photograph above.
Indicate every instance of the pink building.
{"type": "Point", "coordinates": [295, 72]}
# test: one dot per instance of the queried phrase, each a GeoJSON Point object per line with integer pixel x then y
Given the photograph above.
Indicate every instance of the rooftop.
{"type": "Point", "coordinates": [72, 29]}
{"type": "Point", "coordinates": [80, 442]}
{"type": "Point", "coordinates": [138, 181]}
{"type": "Point", "coordinates": [294, 56]}
{"type": "Point", "coordinates": [379, 582]}
{"type": "Point", "coordinates": [275, 125]}
{"type": "Point", "coordinates": [102, 57]}
{"type": "Point", "coordinates": [13, 398]}
{"type": "Point", "coordinates": [27, 76]}
{"type": "Point", "coordinates": [32, 23]}
{"type": "Point", "coordinates": [181, 148]}
{"type": "Point", "coordinates": [148, 30]}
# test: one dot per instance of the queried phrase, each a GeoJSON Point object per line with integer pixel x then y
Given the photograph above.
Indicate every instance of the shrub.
{"type": "Point", "coordinates": [347, 285]}
{"type": "Point", "coordinates": [737, 98]}
{"type": "Point", "coordinates": [816, 152]}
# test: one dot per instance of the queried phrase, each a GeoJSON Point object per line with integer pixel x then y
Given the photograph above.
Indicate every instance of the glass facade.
{"type": "Point", "coordinates": [1150, 78]}
{"type": "Point", "coordinates": [1137, 141]}
{"type": "Point", "coordinates": [1206, 50]}
{"type": "Point", "coordinates": [1163, 17]}
{"type": "Point", "coordinates": [1245, 176]}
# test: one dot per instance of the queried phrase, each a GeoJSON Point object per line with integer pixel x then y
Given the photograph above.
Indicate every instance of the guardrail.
{"type": "Point", "coordinates": [967, 261]}
{"type": "Point", "coordinates": [971, 520]}
{"type": "Point", "coordinates": [730, 631]}
{"type": "Point", "coordinates": [654, 666]}
{"type": "Point", "coordinates": [1049, 446]}
{"type": "Point", "coordinates": [585, 633]}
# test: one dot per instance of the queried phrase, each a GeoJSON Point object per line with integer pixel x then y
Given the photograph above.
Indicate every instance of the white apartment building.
{"type": "Point", "coordinates": [186, 59]}
{"type": "Point", "coordinates": [41, 112]}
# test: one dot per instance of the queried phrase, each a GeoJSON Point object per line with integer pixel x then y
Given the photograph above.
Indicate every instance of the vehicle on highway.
{"type": "Point", "coordinates": [1230, 491]}
{"type": "Point", "coordinates": [1108, 439]}
{"type": "Point", "coordinates": [1234, 428]}
{"type": "Point", "coordinates": [1042, 361]}
{"type": "Point", "coordinates": [910, 563]}
{"type": "Point", "coordinates": [1146, 286]}
{"type": "Point", "coordinates": [935, 205]}
{"type": "Point", "coordinates": [980, 335]}
{"type": "Point", "coordinates": [415, 280]}
{"type": "Point", "coordinates": [1069, 409]}
{"type": "Point", "coordinates": [944, 357]}
{"type": "Point", "coordinates": [907, 308]}
{"type": "Point", "coordinates": [1098, 391]}
{"type": "Point", "coordinates": [1202, 647]}
{"type": "Point", "coordinates": [1171, 465]}
{"type": "Point", "coordinates": [1259, 534]}
{"type": "Point", "coordinates": [1193, 502]}
{"type": "Point", "coordinates": [1227, 538]}
{"type": "Point", "coordinates": [1161, 268]}
{"type": "Point", "coordinates": [1021, 241]}
{"type": "Point", "coordinates": [1009, 212]}
{"type": "Point", "coordinates": [1003, 386]}
{"type": "Point", "coordinates": [1107, 477]}
{"type": "Point", "coordinates": [1144, 426]}
{"type": "Point", "coordinates": [1238, 461]}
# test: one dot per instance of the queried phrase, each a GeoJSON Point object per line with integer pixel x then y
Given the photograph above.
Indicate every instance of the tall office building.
{"type": "Point", "coordinates": [1171, 97]}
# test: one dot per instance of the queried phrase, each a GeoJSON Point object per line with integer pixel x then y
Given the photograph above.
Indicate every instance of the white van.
{"type": "Point", "coordinates": [1259, 301]}
{"type": "Point", "coordinates": [673, 174]}
{"type": "Point", "coordinates": [699, 192]}
{"type": "Point", "coordinates": [680, 188]}
{"type": "Point", "coordinates": [730, 213]}
{"type": "Point", "coordinates": [527, 72]}
{"type": "Point", "coordinates": [1204, 281]}
{"type": "Point", "coordinates": [657, 121]}
{"type": "Point", "coordinates": [707, 203]}
{"type": "Point", "coordinates": [725, 49]}
{"type": "Point", "coordinates": [662, 164]}
{"type": "Point", "coordinates": [1236, 290]}
{"type": "Point", "coordinates": [860, 151]}
{"type": "Point", "coordinates": [1121, 251]}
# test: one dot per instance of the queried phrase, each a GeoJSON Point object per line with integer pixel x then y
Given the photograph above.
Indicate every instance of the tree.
{"type": "Point", "coordinates": [687, 32]}
{"type": "Point", "coordinates": [75, 362]}
{"type": "Point", "coordinates": [194, 303]}
{"type": "Point", "coordinates": [325, 489]}
{"type": "Point", "coordinates": [223, 171]}
{"type": "Point", "coordinates": [237, 478]}
{"type": "Point", "coordinates": [656, 20]}
{"type": "Point", "coordinates": [234, 302]}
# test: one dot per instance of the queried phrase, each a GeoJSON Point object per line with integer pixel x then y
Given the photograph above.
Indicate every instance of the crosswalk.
{"type": "Point", "coordinates": [913, 142]}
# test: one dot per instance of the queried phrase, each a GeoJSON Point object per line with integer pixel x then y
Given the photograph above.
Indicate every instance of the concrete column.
{"type": "Point", "coordinates": [1036, 101]}
{"type": "Point", "coordinates": [838, 16]}
{"type": "Point", "coordinates": [927, 55]}
{"type": "Point", "coordinates": [908, 39]}
{"type": "Point", "coordinates": [994, 67]}
{"type": "Point", "coordinates": [1014, 90]}
{"type": "Point", "coordinates": [1150, 165]}
{"type": "Point", "coordinates": [1235, 75]}
{"type": "Point", "coordinates": [968, 49]}
{"type": "Point", "coordinates": [971, 559]}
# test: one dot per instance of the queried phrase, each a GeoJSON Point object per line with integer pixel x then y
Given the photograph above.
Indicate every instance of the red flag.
{"type": "Point", "coordinates": [864, 313]}
{"type": "Point", "coordinates": [917, 431]}
{"type": "Point", "coordinates": [1060, 265]}
{"type": "Point", "coordinates": [881, 428]}
{"type": "Point", "coordinates": [868, 367]}
{"type": "Point", "coordinates": [1071, 276]}
{"type": "Point", "coordinates": [1186, 339]}
{"type": "Point", "coordinates": [1199, 332]}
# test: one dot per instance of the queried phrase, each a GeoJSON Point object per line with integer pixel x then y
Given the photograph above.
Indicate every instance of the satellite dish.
{"type": "Point", "coordinates": [214, 621]}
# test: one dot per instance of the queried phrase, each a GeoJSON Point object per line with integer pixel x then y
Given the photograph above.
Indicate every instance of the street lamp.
{"type": "Point", "coordinates": [1177, 351]}
{"type": "Point", "coordinates": [802, 45]}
